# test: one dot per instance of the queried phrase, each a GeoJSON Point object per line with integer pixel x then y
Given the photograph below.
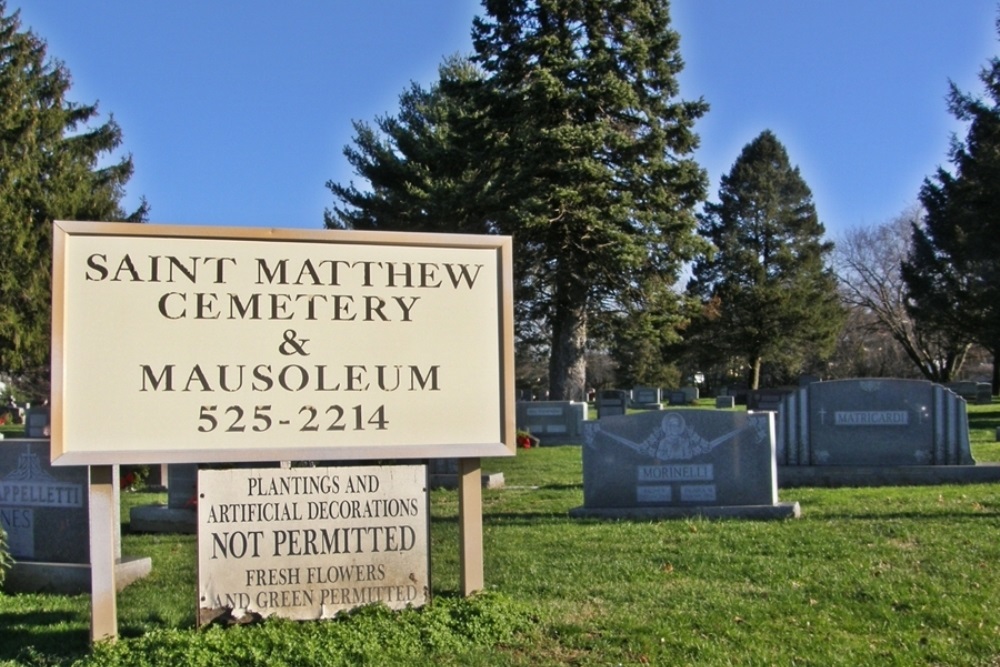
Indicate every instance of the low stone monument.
{"type": "Point", "coordinates": [725, 402]}
{"type": "Point", "coordinates": [612, 403]}
{"type": "Point", "coordinates": [443, 474]}
{"type": "Point", "coordinates": [875, 431]}
{"type": "Point", "coordinates": [646, 398]}
{"type": "Point", "coordinates": [45, 512]}
{"type": "Point", "coordinates": [767, 399]}
{"type": "Point", "coordinates": [676, 397]}
{"type": "Point", "coordinates": [36, 422]}
{"type": "Point", "coordinates": [553, 422]}
{"type": "Point", "coordinates": [180, 514]}
{"type": "Point", "coordinates": [977, 393]}
{"type": "Point", "coordinates": [675, 463]}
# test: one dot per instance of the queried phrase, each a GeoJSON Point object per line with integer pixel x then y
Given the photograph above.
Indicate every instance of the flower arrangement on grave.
{"type": "Point", "coordinates": [525, 440]}
{"type": "Point", "coordinates": [134, 478]}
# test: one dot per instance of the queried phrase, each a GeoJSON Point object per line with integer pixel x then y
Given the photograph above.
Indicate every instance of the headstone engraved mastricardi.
{"type": "Point", "coordinates": [680, 462]}
{"type": "Point", "coordinates": [873, 422]}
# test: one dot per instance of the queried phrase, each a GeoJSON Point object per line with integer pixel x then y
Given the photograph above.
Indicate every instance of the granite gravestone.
{"type": "Point", "coordinates": [444, 474]}
{"type": "Point", "coordinates": [180, 513]}
{"type": "Point", "coordinates": [36, 422]}
{"type": "Point", "coordinates": [873, 422]}
{"type": "Point", "coordinates": [766, 399]}
{"type": "Point", "coordinates": [611, 403]}
{"type": "Point", "coordinates": [552, 422]}
{"type": "Point", "coordinates": [725, 402]}
{"type": "Point", "coordinates": [677, 397]}
{"type": "Point", "coordinates": [977, 393]}
{"type": "Point", "coordinates": [45, 511]}
{"type": "Point", "coordinates": [646, 398]}
{"type": "Point", "coordinates": [679, 463]}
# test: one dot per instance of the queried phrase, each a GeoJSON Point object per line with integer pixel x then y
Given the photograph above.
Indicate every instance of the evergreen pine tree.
{"type": "Point", "coordinates": [573, 141]}
{"type": "Point", "coordinates": [51, 167]}
{"type": "Point", "coordinates": [769, 295]}
{"type": "Point", "coordinates": [953, 271]}
{"type": "Point", "coordinates": [592, 149]}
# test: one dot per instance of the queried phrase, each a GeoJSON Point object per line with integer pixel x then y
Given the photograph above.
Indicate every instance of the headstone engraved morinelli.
{"type": "Point", "coordinates": [681, 462]}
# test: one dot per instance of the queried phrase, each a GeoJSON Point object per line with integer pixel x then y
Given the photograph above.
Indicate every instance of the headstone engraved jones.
{"type": "Point", "coordinates": [43, 509]}
{"type": "Point", "coordinates": [307, 543]}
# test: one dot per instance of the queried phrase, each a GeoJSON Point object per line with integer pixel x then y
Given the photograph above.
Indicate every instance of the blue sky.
{"type": "Point", "coordinates": [236, 111]}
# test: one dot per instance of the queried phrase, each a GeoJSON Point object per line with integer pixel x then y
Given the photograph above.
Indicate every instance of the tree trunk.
{"type": "Point", "coordinates": [996, 371]}
{"type": "Point", "coordinates": [568, 361]}
{"type": "Point", "coordinates": [755, 364]}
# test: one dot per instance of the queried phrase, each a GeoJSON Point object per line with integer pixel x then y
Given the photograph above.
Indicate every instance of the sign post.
{"type": "Point", "coordinates": [104, 603]}
{"type": "Point", "coordinates": [470, 525]}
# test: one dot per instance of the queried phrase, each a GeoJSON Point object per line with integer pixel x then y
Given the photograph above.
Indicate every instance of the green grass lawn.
{"type": "Point", "coordinates": [885, 576]}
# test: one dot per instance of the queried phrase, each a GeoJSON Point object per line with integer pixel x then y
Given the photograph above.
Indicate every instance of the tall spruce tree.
{"type": "Point", "coordinates": [52, 166]}
{"type": "Point", "coordinates": [769, 294]}
{"type": "Point", "coordinates": [592, 147]}
{"type": "Point", "coordinates": [424, 166]}
{"type": "Point", "coordinates": [953, 270]}
{"type": "Point", "coordinates": [573, 142]}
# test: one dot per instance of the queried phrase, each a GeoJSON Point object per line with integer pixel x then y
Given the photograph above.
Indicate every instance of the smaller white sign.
{"type": "Point", "coordinates": [306, 543]}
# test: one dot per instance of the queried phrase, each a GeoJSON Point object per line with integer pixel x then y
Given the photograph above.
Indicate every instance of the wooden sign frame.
{"type": "Point", "coordinates": [342, 345]}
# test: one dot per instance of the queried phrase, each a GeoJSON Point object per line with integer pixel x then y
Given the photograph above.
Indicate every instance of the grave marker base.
{"type": "Point", "coordinates": [781, 510]}
{"type": "Point", "coordinates": [837, 476]}
{"type": "Point", "coordinates": [70, 578]}
{"type": "Point", "coordinates": [163, 519]}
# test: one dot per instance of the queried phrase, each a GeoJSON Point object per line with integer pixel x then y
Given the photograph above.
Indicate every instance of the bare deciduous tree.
{"type": "Point", "coordinates": [867, 261]}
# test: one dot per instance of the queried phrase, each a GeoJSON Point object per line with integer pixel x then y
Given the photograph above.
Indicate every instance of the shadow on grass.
{"type": "Point", "coordinates": [951, 517]}
{"type": "Point", "coordinates": [33, 638]}
{"type": "Point", "coordinates": [986, 418]}
{"type": "Point", "coordinates": [511, 518]}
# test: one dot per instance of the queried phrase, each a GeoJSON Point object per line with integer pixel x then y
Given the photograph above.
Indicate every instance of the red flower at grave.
{"type": "Point", "coordinates": [127, 481]}
{"type": "Point", "coordinates": [524, 440]}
